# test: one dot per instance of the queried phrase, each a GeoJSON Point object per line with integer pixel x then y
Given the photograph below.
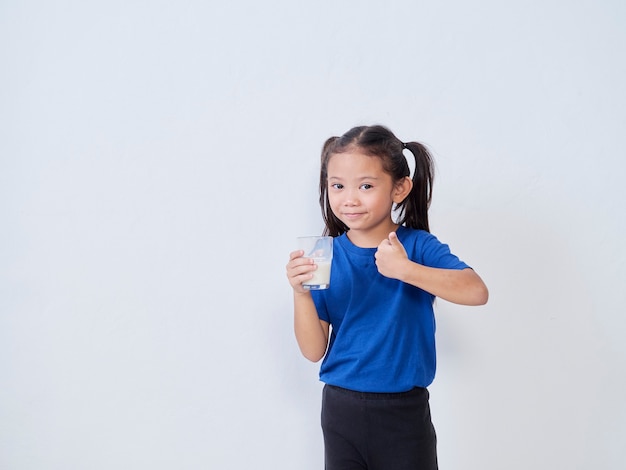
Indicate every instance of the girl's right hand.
{"type": "Point", "coordinates": [299, 269]}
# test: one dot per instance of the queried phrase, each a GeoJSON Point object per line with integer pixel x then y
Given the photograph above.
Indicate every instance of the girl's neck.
{"type": "Point", "coordinates": [372, 239]}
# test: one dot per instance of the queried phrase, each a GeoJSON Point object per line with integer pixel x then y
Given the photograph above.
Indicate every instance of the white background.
{"type": "Point", "coordinates": [158, 158]}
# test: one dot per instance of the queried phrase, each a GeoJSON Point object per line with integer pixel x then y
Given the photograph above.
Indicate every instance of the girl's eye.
{"type": "Point", "coordinates": [336, 186]}
{"type": "Point", "coordinates": [366, 186]}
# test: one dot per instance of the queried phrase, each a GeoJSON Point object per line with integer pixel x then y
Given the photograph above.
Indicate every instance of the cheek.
{"type": "Point", "coordinates": [333, 199]}
{"type": "Point", "coordinates": [335, 205]}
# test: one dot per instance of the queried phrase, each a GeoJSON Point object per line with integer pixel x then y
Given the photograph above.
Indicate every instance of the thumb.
{"type": "Point", "coordinates": [393, 239]}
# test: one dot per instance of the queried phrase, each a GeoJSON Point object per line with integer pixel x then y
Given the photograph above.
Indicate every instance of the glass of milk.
{"type": "Point", "coordinates": [321, 250]}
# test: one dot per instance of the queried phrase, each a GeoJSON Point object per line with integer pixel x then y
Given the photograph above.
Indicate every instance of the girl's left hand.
{"type": "Point", "coordinates": [391, 257]}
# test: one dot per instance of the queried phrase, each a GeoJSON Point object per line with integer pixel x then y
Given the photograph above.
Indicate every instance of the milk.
{"type": "Point", "coordinates": [321, 276]}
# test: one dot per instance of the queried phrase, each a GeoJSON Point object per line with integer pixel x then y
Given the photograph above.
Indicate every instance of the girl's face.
{"type": "Point", "coordinates": [361, 194]}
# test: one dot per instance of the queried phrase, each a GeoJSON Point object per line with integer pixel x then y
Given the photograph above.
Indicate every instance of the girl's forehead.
{"type": "Point", "coordinates": [353, 161]}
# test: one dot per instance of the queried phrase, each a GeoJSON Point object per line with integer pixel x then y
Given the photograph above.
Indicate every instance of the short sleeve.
{"type": "Point", "coordinates": [438, 255]}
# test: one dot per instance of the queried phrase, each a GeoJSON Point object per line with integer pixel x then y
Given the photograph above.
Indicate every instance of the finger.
{"type": "Point", "coordinates": [395, 241]}
{"type": "Point", "coordinates": [296, 254]}
{"type": "Point", "coordinates": [297, 279]}
{"type": "Point", "coordinates": [301, 265]}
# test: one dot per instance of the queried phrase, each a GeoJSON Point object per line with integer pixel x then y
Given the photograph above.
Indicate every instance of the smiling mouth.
{"type": "Point", "coordinates": [352, 215]}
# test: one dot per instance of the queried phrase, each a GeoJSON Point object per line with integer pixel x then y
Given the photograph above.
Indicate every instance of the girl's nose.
{"type": "Point", "coordinates": [352, 198]}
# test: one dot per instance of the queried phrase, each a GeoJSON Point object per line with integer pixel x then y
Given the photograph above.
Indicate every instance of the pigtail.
{"type": "Point", "coordinates": [415, 206]}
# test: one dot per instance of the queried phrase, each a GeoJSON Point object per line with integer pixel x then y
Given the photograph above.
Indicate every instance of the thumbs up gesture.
{"type": "Point", "coordinates": [391, 257]}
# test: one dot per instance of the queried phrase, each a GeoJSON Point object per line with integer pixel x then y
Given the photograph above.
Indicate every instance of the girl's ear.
{"type": "Point", "coordinates": [402, 189]}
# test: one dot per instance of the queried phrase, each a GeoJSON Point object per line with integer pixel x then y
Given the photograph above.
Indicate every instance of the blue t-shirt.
{"type": "Point", "coordinates": [383, 330]}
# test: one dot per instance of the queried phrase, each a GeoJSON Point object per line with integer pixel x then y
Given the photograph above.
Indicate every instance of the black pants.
{"type": "Point", "coordinates": [378, 431]}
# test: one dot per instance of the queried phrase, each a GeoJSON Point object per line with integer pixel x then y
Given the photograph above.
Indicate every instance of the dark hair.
{"type": "Point", "coordinates": [378, 141]}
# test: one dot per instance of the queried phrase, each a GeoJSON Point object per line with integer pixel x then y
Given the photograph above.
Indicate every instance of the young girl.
{"type": "Point", "coordinates": [379, 355]}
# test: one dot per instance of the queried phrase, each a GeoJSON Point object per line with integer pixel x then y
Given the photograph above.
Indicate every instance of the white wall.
{"type": "Point", "coordinates": [157, 160]}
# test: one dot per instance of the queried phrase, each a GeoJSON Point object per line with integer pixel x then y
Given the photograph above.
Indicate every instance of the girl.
{"type": "Point", "coordinates": [379, 355]}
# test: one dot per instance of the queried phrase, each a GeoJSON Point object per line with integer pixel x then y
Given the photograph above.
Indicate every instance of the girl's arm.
{"type": "Point", "coordinates": [460, 286]}
{"type": "Point", "coordinates": [311, 332]}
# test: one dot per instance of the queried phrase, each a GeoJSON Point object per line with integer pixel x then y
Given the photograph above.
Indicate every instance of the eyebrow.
{"type": "Point", "coordinates": [359, 178]}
